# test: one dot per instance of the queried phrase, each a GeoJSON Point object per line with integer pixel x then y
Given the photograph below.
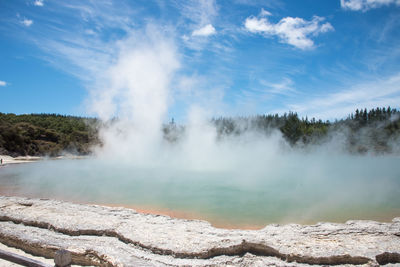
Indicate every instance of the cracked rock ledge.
{"type": "Point", "coordinates": [105, 236]}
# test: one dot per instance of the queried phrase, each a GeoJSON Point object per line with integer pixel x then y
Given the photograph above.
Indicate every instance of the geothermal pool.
{"type": "Point", "coordinates": [299, 189]}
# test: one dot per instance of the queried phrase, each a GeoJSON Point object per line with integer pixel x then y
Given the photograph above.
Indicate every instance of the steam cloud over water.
{"type": "Point", "coordinates": [247, 179]}
{"type": "Point", "coordinates": [137, 90]}
{"type": "Point", "coordinates": [251, 174]}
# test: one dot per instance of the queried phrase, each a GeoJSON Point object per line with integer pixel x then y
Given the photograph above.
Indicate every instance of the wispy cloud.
{"type": "Point", "coordinates": [263, 93]}
{"type": "Point", "coordinates": [198, 17]}
{"type": "Point", "coordinates": [27, 22]}
{"type": "Point", "coordinates": [101, 14]}
{"type": "Point", "coordinates": [364, 5]}
{"type": "Point", "coordinates": [284, 87]}
{"type": "Point", "coordinates": [264, 13]}
{"type": "Point", "coordinates": [200, 13]}
{"type": "Point", "coordinates": [205, 31]}
{"type": "Point", "coordinates": [84, 48]}
{"type": "Point", "coordinates": [377, 93]}
{"type": "Point", "coordinates": [38, 3]}
{"type": "Point", "coordinates": [257, 3]}
{"type": "Point", "coordinates": [3, 83]}
{"type": "Point", "coordinates": [294, 31]}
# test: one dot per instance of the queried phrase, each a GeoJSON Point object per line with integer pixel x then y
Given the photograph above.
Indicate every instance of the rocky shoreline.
{"type": "Point", "coordinates": [7, 160]}
{"type": "Point", "coordinates": [106, 236]}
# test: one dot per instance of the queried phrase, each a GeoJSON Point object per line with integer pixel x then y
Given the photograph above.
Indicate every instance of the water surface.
{"type": "Point", "coordinates": [299, 189]}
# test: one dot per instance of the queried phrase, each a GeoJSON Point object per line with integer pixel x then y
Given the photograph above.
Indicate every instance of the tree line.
{"type": "Point", "coordinates": [375, 130]}
{"type": "Point", "coordinates": [46, 134]}
{"type": "Point", "coordinates": [363, 131]}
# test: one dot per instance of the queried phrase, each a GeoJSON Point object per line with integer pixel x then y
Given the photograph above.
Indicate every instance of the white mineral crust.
{"type": "Point", "coordinates": [106, 236]}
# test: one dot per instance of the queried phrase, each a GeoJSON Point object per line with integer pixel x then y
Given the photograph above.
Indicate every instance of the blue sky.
{"type": "Point", "coordinates": [318, 58]}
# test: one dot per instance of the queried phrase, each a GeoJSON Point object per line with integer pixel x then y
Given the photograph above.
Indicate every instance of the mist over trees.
{"type": "Point", "coordinates": [374, 131]}
{"type": "Point", "coordinates": [364, 131]}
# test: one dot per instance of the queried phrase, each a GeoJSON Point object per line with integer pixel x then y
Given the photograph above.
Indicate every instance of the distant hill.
{"type": "Point", "coordinates": [46, 134]}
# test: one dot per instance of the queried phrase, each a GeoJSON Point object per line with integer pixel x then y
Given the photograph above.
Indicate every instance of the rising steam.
{"type": "Point", "coordinates": [136, 90]}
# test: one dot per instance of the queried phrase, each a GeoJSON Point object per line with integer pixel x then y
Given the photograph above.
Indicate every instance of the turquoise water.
{"type": "Point", "coordinates": [299, 189]}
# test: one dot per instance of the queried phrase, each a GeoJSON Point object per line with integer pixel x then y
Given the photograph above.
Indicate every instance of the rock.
{"type": "Point", "coordinates": [62, 258]}
{"type": "Point", "coordinates": [97, 235]}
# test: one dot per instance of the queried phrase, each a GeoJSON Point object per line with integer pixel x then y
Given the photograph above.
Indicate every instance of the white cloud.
{"type": "Point", "coordinates": [378, 93]}
{"type": "Point", "coordinates": [3, 83]}
{"type": "Point", "coordinates": [205, 31]}
{"type": "Point", "coordinates": [364, 5]}
{"type": "Point", "coordinates": [38, 3]}
{"type": "Point", "coordinates": [27, 22]}
{"type": "Point", "coordinates": [293, 31]}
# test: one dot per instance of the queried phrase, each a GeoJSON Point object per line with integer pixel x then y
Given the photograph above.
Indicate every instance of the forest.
{"type": "Point", "coordinates": [46, 134]}
{"type": "Point", "coordinates": [364, 131]}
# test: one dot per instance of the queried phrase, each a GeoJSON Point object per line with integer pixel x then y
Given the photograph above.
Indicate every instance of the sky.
{"type": "Point", "coordinates": [321, 59]}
